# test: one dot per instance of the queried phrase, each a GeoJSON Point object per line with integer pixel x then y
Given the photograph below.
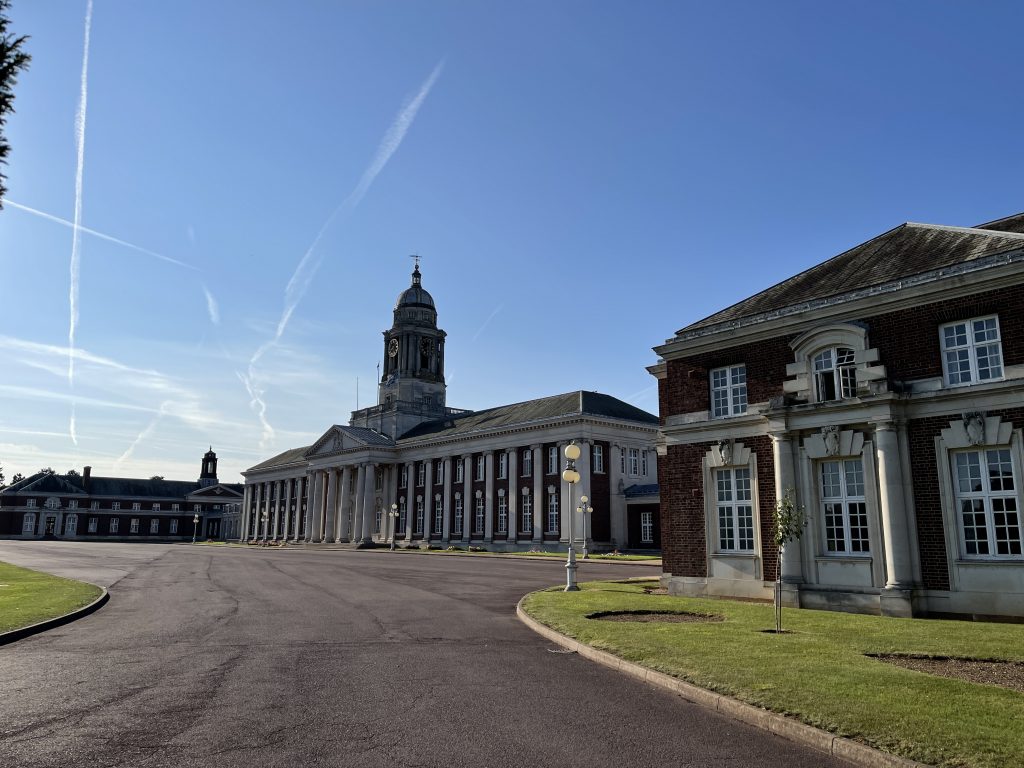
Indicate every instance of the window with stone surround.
{"type": "Point", "coordinates": [403, 512]}
{"type": "Point", "coordinates": [553, 522]}
{"type": "Point", "coordinates": [502, 465]}
{"type": "Point", "coordinates": [378, 479]}
{"type": "Point", "coordinates": [844, 507]}
{"type": "Point", "coordinates": [634, 462]}
{"type": "Point", "coordinates": [728, 391]}
{"type": "Point", "coordinates": [643, 463]}
{"type": "Point", "coordinates": [480, 465]}
{"type": "Point", "coordinates": [987, 503]}
{"type": "Point", "coordinates": [421, 474]}
{"type": "Point", "coordinates": [553, 460]}
{"type": "Point", "coordinates": [734, 504]}
{"type": "Point", "coordinates": [403, 478]}
{"type": "Point", "coordinates": [597, 459]}
{"type": "Point", "coordinates": [418, 521]}
{"type": "Point", "coordinates": [502, 513]}
{"type": "Point", "coordinates": [971, 351]}
{"type": "Point", "coordinates": [647, 527]}
{"type": "Point", "coordinates": [439, 472]}
{"type": "Point", "coordinates": [115, 505]}
{"type": "Point", "coordinates": [136, 506]}
{"type": "Point", "coordinates": [526, 513]}
{"type": "Point", "coordinates": [174, 526]}
{"type": "Point", "coordinates": [114, 523]}
{"type": "Point", "coordinates": [94, 505]}
{"type": "Point", "coordinates": [438, 515]}
{"type": "Point", "coordinates": [835, 377]}
{"type": "Point", "coordinates": [154, 525]}
{"type": "Point", "coordinates": [156, 507]}
{"type": "Point", "coordinates": [134, 526]}
{"type": "Point", "coordinates": [93, 524]}
{"type": "Point", "coordinates": [459, 516]}
{"type": "Point", "coordinates": [459, 470]}
{"type": "Point", "coordinates": [28, 524]}
{"type": "Point", "coordinates": [527, 462]}
{"type": "Point", "coordinates": [478, 517]}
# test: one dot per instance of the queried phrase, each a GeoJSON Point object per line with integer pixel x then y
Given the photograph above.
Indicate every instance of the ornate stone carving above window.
{"type": "Point", "coordinates": [870, 375]}
{"type": "Point", "coordinates": [832, 441]}
{"type": "Point", "coordinates": [728, 453]}
{"type": "Point", "coordinates": [977, 429]}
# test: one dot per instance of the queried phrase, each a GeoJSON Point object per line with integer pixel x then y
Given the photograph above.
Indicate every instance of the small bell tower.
{"type": "Point", "coordinates": [208, 471]}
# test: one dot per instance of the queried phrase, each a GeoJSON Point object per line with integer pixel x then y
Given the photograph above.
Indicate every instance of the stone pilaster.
{"type": "Point", "coordinates": [489, 497]}
{"type": "Point", "coordinates": [899, 572]}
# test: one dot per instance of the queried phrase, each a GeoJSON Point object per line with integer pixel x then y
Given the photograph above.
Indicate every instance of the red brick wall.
{"type": "Point", "coordinates": [687, 388]}
{"type": "Point", "coordinates": [908, 340]}
{"type": "Point", "coordinates": [931, 537]}
{"type": "Point", "coordinates": [601, 498]}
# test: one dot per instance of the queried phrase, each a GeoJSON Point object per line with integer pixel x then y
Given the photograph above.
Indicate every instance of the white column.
{"type": "Point", "coordinates": [263, 510]}
{"type": "Point", "coordinates": [332, 504]}
{"type": "Point", "coordinates": [538, 493]}
{"type": "Point", "coordinates": [511, 493]}
{"type": "Point", "coordinates": [446, 530]}
{"type": "Point", "coordinates": [467, 495]}
{"type": "Point", "coordinates": [357, 507]}
{"type": "Point", "coordinates": [899, 572]}
{"type": "Point", "coordinates": [368, 505]}
{"type": "Point", "coordinates": [790, 557]}
{"type": "Point", "coordinates": [568, 496]}
{"type": "Point", "coordinates": [583, 489]}
{"type": "Point", "coordinates": [246, 512]}
{"type": "Point", "coordinates": [489, 496]}
{"type": "Point", "coordinates": [312, 502]}
{"type": "Point", "coordinates": [287, 508]}
{"type": "Point", "coordinates": [300, 483]}
{"type": "Point", "coordinates": [277, 508]}
{"type": "Point", "coordinates": [345, 505]}
{"type": "Point", "coordinates": [616, 500]}
{"type": "Point", "coordinates": [428, 498]}
{"type": "Point", "coordinates": [410, 499]}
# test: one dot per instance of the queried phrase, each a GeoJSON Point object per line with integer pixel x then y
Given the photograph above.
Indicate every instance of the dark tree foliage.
{"type": "Point", "coordinates": [157, 477]}
{"type": "Point", "coordinates": [18, 477]}
{"type": "Point", "coordinates": [13, 60]}
{"type": "Point", "coordinates": [72, 473]}
{"type": "Point", "coordinates": [1, 477]}
{"type": "Point", "coordinates": [45, 470]}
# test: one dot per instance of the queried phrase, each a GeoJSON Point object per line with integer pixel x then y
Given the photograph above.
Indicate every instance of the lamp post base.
{"type": "Point", "coordinates": [570, 572]}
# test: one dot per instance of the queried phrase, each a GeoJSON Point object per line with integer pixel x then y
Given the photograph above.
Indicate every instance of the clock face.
{"type": "Point", "coordinates": [425, 346]}
{"type": "Point", "coordinates": [393, 348]}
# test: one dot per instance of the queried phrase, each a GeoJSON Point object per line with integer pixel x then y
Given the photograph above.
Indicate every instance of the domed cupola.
{"type": "Point", "coordinates": [415, 295]}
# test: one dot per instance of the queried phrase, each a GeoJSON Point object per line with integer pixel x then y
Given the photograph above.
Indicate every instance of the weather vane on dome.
{"type": "Point", "coordinates": [416, 256]}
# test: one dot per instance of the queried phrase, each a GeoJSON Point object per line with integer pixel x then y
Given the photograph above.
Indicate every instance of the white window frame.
{"type": "Point", "coordinates": [634, 462]}
{"type": "Point", "coordinates": [968, 351]}
{"type": "Point", "coordinates": [839, 372]}
{"type": "Point", "coordinates": [403, 478]}
{"type": "Point", "coordinates": [136, 506]}
{"type": "Point", "coordinates": [438, 515]}
{"type": "Point", "coordinates": [597, 459]}
{"type": "Point", "coordinates": [115, 505]}
{"type": "Point", "coordinates": [528, 462]}
{"type": "Point", "coordinates": [647, 527]}
{"type": "Point", "coordinates": [156, 507]}
{"type": "Point", "coordinates": [421, 475]}
{"type": "Point", "coordinates": [526, 514]}
{"type": "Point", "coordinates": [728, 390]}
{"type": "Point", "coordinates": [643, 463]}
{"type": "Point", "coordinates": [94, 505]}
{"type": "Point", "coordinates": [175, 507]}
{"type": "Point", "coordinates": [133, 527]}
{"type": "Point", "coordinates": [93, 525]}
{"type": "Point", "coordinates": [30, 503]}
{"type": "Point", "coordinates": [28, 524]}
{"type": "Point", "coordinates": [856, 539]}
{"type": "Point", "coordinates": [622, 460]}
{"type": "Point", "coordinates": [173, 526]}
{"type": "Point", "coordinates": [734, 505]}
{"type": "Point", "coordinates": [459, 516]}
{"type": "Point", "coordinates": [154, 526]}
{"type": "Point", "coordinates": [553, 460]}
{"type": "Point", "coordinates": [503, 465]}
{"type": "Point", "coordinates": [197, 507]}
{"type": "Point", "coordinates": [553, 523]}
{"type": "Point", "coordinates": [403, 513]}
{"type": "Point", "coordinates": [52, 503]}
{"type": "Point", "coordinates": [479, 516]}
{"type": "Point", "coordinates": [378, 479]}
{"type": "Point", "coordinates": [419, 520]}
{"type": "Point", "coordinates": [114, 524]}
{"type": "Point", "coordinates": [460, 470]}
{"type": "Point", "coordinates": [439, 472]}
{"type": "Point", "coordinates": [989, 499]}
{"type": "Point", "coordinates": [480, 468]}
{"type": "Point", "coordinates": [502, 514]}
{"type": "Point", "coordinates": [72, 503]}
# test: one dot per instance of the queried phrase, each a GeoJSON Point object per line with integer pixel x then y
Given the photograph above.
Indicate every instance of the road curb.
{"type": "Point", "coordinates": [491, 555]}
{"type": "Point", "coordinates": [57, 621]}
{"type": "Point", "coordinates": [780, 725]}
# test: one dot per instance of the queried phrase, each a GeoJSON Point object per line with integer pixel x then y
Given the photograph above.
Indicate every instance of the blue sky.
{"type": "Point", "coordinates": [581, 178]}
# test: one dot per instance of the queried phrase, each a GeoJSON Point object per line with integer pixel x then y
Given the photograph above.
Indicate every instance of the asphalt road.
{"type": "Point", "coordinates": [218, 656]}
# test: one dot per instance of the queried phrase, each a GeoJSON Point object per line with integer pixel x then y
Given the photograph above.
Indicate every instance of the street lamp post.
{"type": "Point", "coordinates": [195, 526]}
{"type": "Point", "coordinates": [584, 508]}
{"type": "Point", "coordinates": [266, 518]}
{"type": "Point", "coordinates": [571, 476]}
{"type": "Point", "coordinates": [394, 522]}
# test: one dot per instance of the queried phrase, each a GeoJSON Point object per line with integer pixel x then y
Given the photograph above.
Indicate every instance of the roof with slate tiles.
{"type": "Point", "coordinates": [634, 491]}
{"type": "Point", "coordinates": [579, 403]}
{"type": "Point", "coordinates": [292, 456]}
{"type": "Point", "coordinates": [909, 249]}
{"type": "Point", "coordinates": [43, 483]}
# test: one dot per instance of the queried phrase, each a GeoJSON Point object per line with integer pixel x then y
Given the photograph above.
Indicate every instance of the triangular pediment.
{"type": "Point", "coordinates": [218, 491]}
{"type": "Point", "coordinates": [339, 439]}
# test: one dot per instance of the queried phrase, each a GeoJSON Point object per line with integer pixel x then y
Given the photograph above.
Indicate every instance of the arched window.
{"type": "Point", "coordinates": [835, 377]}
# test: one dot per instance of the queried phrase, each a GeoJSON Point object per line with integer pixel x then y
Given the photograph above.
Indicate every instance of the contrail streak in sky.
{"type": "Point", "coordinates": [94, 233]}
{"type": "Point", "coordinates": [308, 265]}
{"type": "Point", "coordinates": [76, 235]}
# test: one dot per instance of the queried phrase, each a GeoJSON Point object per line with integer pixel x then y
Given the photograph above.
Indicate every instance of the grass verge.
{"type": "Point", "coordinates": [819, 672]}
{"type": "Point", "coordinates": [556, 555]}
{"type": "Point", "coordinates": [28, 597]}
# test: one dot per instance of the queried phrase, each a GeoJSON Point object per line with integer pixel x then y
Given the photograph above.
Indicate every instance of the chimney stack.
{"type": "Point", "coordinates": [86, 473]}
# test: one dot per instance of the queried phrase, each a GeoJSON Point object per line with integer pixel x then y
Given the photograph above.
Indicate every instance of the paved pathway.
{"type": "Point", "coordinates": [217, 656]}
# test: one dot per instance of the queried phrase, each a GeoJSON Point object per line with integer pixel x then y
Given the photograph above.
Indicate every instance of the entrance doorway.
{"type": "Point", "coordinates": [51, 526]}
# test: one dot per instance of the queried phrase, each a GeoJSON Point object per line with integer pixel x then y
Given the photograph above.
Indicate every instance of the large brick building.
{"type": "Point", "coordinates": [48, 505]}
{"type": "Point", "coordinates": [884, 391]}
{"type": "Point", "coordinates": [489, 478]}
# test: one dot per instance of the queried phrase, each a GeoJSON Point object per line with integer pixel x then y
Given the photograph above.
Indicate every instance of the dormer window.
{"type": "Point", "coordinates": [835, 377]}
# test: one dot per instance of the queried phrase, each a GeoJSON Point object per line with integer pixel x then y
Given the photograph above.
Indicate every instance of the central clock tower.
{"type": "Point", "coordinates": [411, 389]}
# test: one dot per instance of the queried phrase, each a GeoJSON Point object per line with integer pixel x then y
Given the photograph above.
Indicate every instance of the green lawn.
{"type": "Point", "coordinates": [28, 597]}
{"type": "Point", "coordinates": [557, 555]}
{"type": "Point", "coordinates": [818, 673]}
